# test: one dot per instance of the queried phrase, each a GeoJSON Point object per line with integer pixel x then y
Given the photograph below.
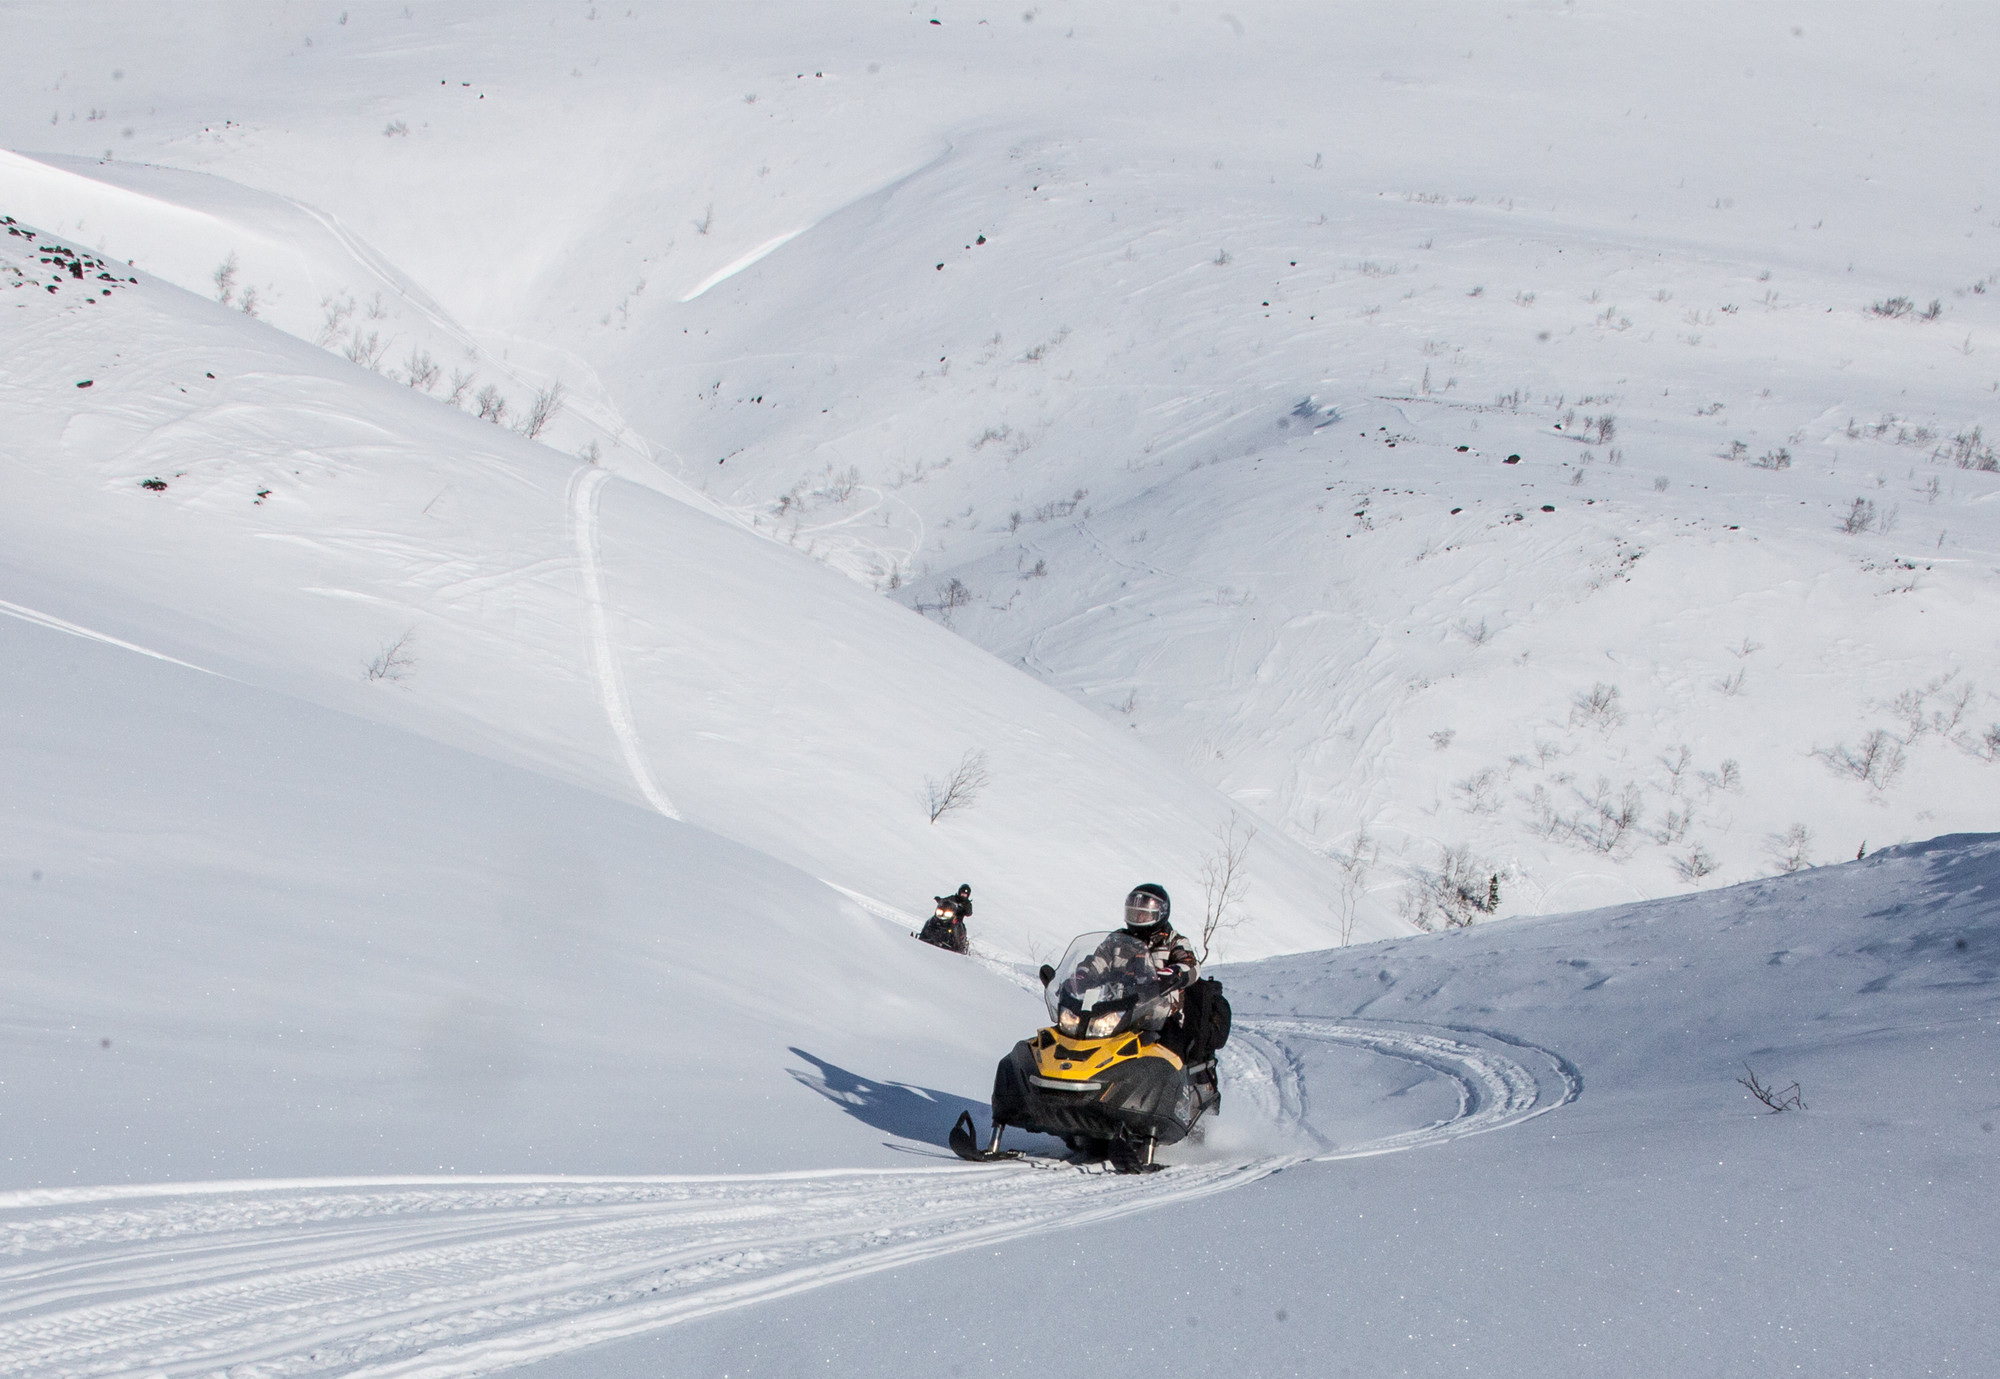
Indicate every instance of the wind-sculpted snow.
{"type": "Point", "coordinates": [455, 1276]}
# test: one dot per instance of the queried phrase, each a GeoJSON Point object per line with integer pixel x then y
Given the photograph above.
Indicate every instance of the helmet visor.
{"type": "Point", "coordinates": [1143, 910]}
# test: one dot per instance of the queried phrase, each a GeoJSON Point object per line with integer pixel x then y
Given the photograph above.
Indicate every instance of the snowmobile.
{"type": "Point", "coordinates": [946, 928]}
{"type": "Point", "coordinates": [1101, 1077]}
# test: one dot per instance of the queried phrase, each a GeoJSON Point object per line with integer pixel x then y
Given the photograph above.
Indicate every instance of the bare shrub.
{"type": "Point", "coordinates": [1602, 820]}
{"type": "Point", "coordinates": [1225, 881]}
{"type": "Point", "coordinates": [1479, 634]}
{"type": "Point", "coordinates": [1877, 761]}
{"type": "Point", "coordinates": [1728, 776]}
{"type": "Point", "coordinates": [839, 484]}
{"type": "Point", "coordinates": [958, 789]}
{"type": "Point", "coordinates": [1732, 685]}
{"type": "Point", "coordinates": [1453, 894]}
{"type": "Point", "coordinates": [1790, 849]}
{"type": "Point", "coordinates": [1676, 763]}
{"type": "Point", "coordinates": [1479, 793]}
{"type": "Point", "coordinates": [1597, 707]}
{"type": "Point", "coordinates": [335, 312]}
{"type": "Point", "coordinates": [247, 304]}
{"type": "Point", "coordinates": [423, 370]}
{"type": "Point", "coordinates": [1607, 817]}
{"type": "Point", "coordinates": [543, 410]}
{"type": "Point", "coordinates": [1986, 745]}
{"type": "Point", "coordinates": [1694, 865]}
{"type": "Point", "coordinates": [1970, 451]}
{"type": "Point", "coordinates": [225, 280]}
{"type": "Point", "coordinates": [492, 406]}
{"type": "Point", "coordinates": [1892, 308]}
{"type": "Point", "coordinates": [461, 384]}
{"type": "Point", "coordinates": [1787, 1100]}
{"type": "Point", "coordinates": [367, 350]}
{"type": "Point", "coordinates": [1780, 458]}
{"type": "Point", "coordinates": [395, 661]}
{"type": "Point", "coordinates": [1441, 739]}
{"type": "Point", "coordinates": [1860, 517]}
{"type": "Point", "coordinates": [1675, 826]}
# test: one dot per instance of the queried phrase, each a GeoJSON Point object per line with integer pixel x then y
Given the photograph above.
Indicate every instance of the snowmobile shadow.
{"type": "Point", "coordinates": [922, 1114]}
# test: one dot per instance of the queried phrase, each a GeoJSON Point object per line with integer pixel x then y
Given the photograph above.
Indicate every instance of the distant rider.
{"type": "Point", "coordinates": [946, 926]}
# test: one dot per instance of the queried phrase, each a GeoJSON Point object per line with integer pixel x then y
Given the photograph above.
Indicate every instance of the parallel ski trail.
{"type": "Point", "coordinates": [457, 1277]}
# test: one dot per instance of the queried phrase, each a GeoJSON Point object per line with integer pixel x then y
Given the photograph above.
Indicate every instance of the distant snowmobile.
{"type": "Point", "coordinates": [946, 926]}
{"type": "Point", "coordinates": [1106, 1077]}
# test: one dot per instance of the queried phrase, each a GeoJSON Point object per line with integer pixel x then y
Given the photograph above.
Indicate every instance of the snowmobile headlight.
{"type": "Point", "coordinates": [1105, 1025]}
{"type": "Point", "coordinates": [1069, 1022]}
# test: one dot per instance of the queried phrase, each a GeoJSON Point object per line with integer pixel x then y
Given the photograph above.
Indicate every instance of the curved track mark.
{"type": "Point", "coordinates": [426, 1278]}
{"type": "Point", "coordinates": [584, 489]}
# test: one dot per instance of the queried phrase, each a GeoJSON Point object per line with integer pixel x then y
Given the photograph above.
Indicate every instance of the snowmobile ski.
{"type": "Point", "coordinates": [965, 1142]}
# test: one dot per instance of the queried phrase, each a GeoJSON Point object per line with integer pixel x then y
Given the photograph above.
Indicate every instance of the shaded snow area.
{"type": "Point", "coordinates": [535, 538]}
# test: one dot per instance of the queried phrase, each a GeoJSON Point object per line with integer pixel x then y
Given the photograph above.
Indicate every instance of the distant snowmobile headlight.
{"type": "Point", "coordinates": [1105, 1025]}
{"type": "Point", "coordinates": [1069, 1022]}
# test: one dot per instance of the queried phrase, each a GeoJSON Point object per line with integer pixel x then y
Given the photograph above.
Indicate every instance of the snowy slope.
{"type": "Point", "coordinates": [313, 517]}
{"type": "Point", "coordinates": [756, 250]}
{"type": "Point", "coordinates": [1632, 1207]}
{"type": "Point", "coordinates": [250, 936]}
{"type": "Point", "coordinates": [1665, 1224]}
{"type": "Point", "coordinates": [454, 895]}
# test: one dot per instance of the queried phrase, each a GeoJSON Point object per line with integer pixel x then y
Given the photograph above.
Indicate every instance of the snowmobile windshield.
{"type": "Point", "coordinates": [1106, 984]}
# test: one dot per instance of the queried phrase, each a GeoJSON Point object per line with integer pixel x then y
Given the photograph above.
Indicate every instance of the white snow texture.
{"type": "Point", "coordinates": [515, 514]}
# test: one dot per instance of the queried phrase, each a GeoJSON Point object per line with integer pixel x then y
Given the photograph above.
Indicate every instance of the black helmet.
{"type": "Point", "coordinates": [1147, 908]}
{"type": "Point", "coordinates": [966, 889]}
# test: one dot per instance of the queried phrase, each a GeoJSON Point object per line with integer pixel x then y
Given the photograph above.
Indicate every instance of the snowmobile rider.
{"type": "Point", "coordinates": [1146, 911]}
{"type": "Point", "coordinates": [946, 926]}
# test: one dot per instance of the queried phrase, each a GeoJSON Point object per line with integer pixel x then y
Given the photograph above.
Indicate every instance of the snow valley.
{"type": "Point", "coordinates": [537, 538]}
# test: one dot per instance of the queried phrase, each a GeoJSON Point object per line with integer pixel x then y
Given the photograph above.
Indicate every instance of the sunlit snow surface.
{"type": "Point", "coordinates": [455, 898]}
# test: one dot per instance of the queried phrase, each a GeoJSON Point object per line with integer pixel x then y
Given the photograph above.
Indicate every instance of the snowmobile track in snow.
{"type": "Point", "coordinates": [440, 1277]}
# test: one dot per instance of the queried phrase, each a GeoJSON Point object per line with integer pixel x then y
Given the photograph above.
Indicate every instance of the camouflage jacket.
{"type": "Point", "coordinates": [1174, 960]}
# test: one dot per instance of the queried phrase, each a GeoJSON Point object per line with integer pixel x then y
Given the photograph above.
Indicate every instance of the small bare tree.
{"type": "Point", "coordinates": [1597, 707]}
{"type": "Point", "coordinates": [225, 280]}
{"type": "Point", "coordinates": [1225, 880]}
{"type": "Point", "coordinates": [395, 660]}
{"type": "Point", "coordinates": [1878, 760]}
{"type": "Point", "coordinates": [1790, 849]}
{"type": "Point", "coordinates": [1354, 864]}
{"type": "Point", "coordinates": [548, 402]}
{"type": "Point", "coordinates": [422, 369]}
{"type": "Point", "coordinates": [492, 406]}
{"type": "Point", "coordinates": [1693, 867]}
{"type": "Point", "coordinates": [958, 790]}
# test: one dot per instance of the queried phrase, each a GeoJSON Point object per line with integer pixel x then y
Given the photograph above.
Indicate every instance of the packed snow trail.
{"type": "Point", "coordinates": [438, 1277]}
{"type": "Point", "coordinates": [585, 486]}
{"type": "Point", "coordinates": [55, 624]}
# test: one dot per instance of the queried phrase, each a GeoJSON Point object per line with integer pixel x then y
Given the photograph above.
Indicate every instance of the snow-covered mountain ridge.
{"type": "Point", "coordinates": [977, 310]}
